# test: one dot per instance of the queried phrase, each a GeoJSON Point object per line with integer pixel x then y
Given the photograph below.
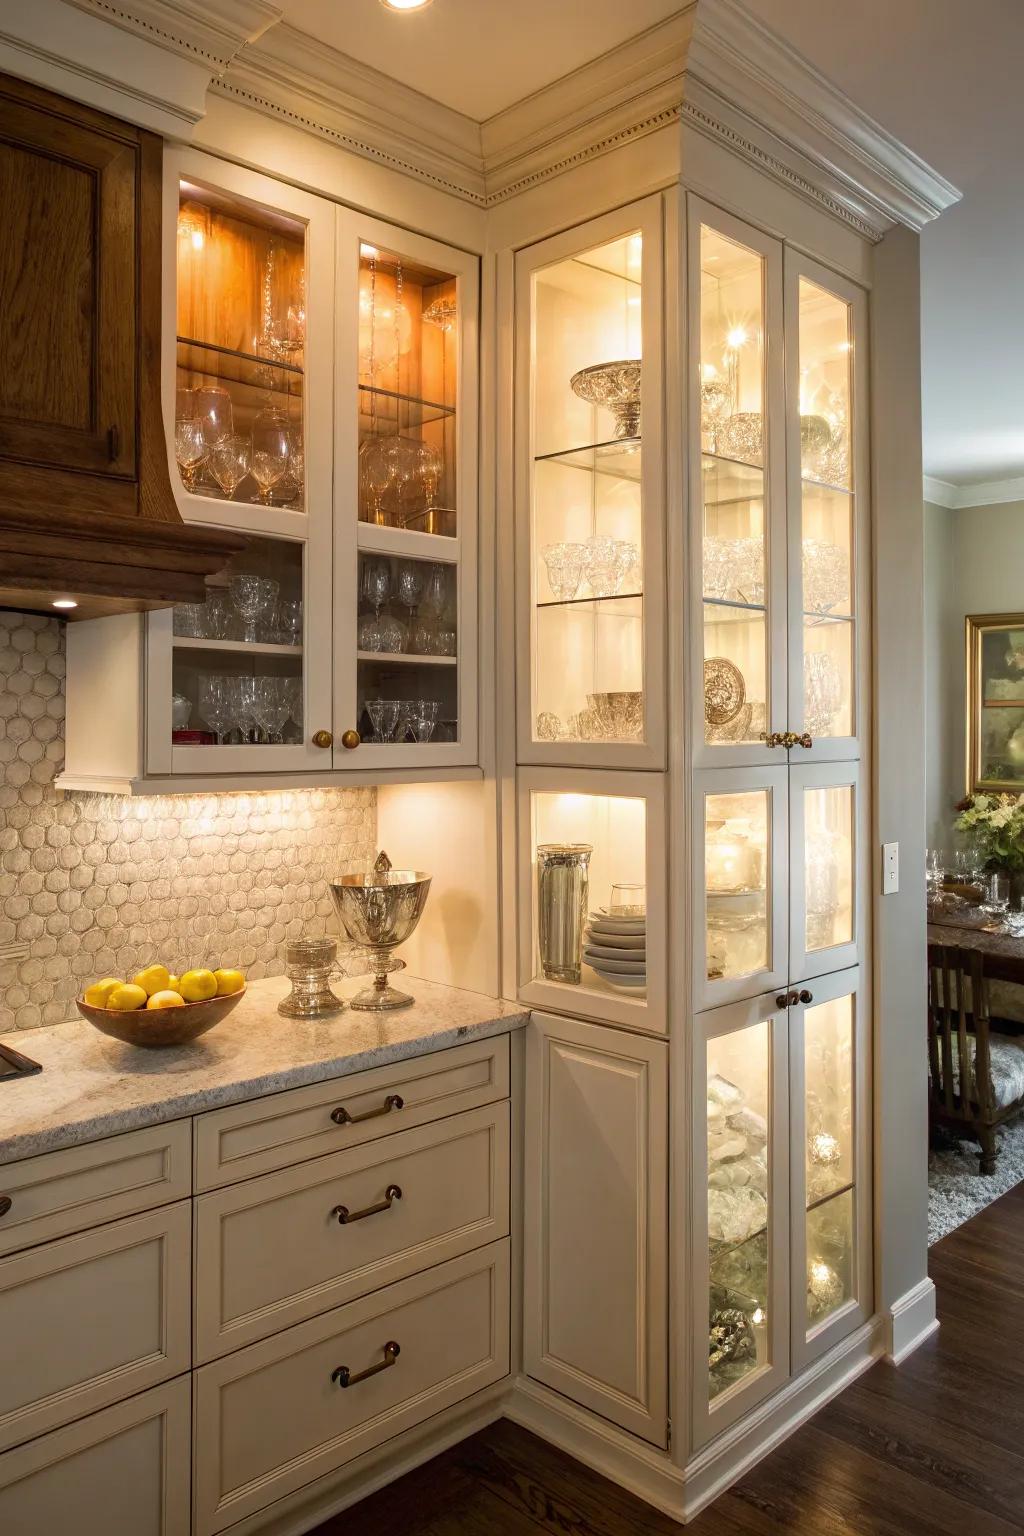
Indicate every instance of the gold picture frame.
{"type": "Point", "coordinates": [995, 703]}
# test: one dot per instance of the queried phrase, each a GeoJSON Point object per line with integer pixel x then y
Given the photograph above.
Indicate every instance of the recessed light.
{"type": "Point", "coordinates": [404, 5]}
{"type": "Point", "coordinates": [65, 602]}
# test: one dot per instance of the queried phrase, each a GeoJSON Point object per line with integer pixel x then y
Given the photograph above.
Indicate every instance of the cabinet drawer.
{"type": "Point", "coordinates": [272, 1251]}
{"type": "Point", "coordinates": [91, 1319]}
{"type": "Point", "coordinates": [123, 1472]}
{"type": "Point", "coordinates": [270, 1419]}
{"type": "Point", "coordinates": [286, 1128]}
{"type": "Point", "coordinates": [62, 1192]}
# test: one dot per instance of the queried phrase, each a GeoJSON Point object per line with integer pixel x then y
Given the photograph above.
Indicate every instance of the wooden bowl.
{"type": "Point", "coordinates": [160, 1026]}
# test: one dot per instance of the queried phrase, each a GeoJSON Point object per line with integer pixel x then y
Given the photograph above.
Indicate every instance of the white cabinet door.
{"type": "Point", "coordinates": [741, 876]}
{"type": "Point", "coordinates": [248, 360]}
{"type": "Point", "coordinates": [595, 1305]}
{"type": "Point", "coordinates": [405, 499]}
{"type": "Point", "coordinates": [830, 1170]}
{"type": "Point", "coordinates": [829, 868]}
{"type": "Point", "coordinates": [740, 1212]}
{"type": "Point", "coordinates": [590, 494]}
{"type": "Point", "coordinates": [827, 478]}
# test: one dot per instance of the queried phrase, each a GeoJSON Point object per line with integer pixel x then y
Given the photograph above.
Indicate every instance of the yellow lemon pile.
{"type": "Point", "coordinates": [156, 987]}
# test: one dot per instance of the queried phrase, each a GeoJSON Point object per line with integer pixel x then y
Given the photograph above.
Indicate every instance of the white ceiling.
{"type": "Point", "coordinates": [945, 76]}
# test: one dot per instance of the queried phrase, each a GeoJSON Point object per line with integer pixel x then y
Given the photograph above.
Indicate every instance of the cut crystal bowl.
{"type": "Point", "coordinates": [616, 387]}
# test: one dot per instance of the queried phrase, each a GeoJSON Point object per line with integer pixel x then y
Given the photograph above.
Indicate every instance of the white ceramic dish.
{"type": "Point", "coordinates": [630, 924]}
{"type": "Point", "coordinates": [633, 984]}
{"type": "Point", "coordinates": [615, 967]}
{"type": "Point", "coordinates": [617, 941]}
{"type": "Point", "coordinates": [620, 930]}
{"type": "Point", "coordinates": [606, 952]}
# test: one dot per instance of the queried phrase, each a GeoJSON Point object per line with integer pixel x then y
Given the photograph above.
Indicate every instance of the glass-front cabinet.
{"type": "Point", "coordinates": [590, 569]}
{"type": "Point", "coordinates": [320, 397]}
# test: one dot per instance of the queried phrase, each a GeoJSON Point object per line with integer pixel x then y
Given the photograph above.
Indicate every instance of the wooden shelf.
{"type": "Point", "coordinates": [406, 658]}
{"type": "Point", "coordinates": [236, 647]}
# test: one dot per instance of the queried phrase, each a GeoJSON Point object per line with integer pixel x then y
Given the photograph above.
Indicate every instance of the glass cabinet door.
{"type": "Point", "coordinates": [740, 1208]}
{"type": "Point", "coordinates": [592, 884]}
{"type": "Point", "coordinates": [591, 566]}
{"type": "Point", "coordinates": [829, 1173]}
{"type": "Point", "coordinates": [405, 552]}
{"type": "Point", "coordinates": [738, 474]}
{"type": "Point", "coordinates": [247, 401]}
{"type": "Point", "coordinates": [740, 883]}
{"type": "Point", "coordinates": [825, 322]}
{"type": "Point", "coordinates": [827, 856]}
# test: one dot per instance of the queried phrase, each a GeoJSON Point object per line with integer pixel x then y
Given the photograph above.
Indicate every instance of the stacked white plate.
{"type": "Point", "coordinates": [616, 948]}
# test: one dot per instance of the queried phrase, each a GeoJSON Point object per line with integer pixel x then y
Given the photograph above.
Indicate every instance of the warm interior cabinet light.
{"type": "Point", "coordinates": [404, 5]}
{"type": "Point", "coordinates": [64, 602]}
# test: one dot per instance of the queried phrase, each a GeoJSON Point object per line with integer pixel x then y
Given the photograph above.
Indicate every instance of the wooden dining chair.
{"type": "Point", "coordinates": [961, 1093]}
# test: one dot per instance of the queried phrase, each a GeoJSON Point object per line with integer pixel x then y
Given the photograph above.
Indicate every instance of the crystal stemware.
{"type": "Point", "coordinates": [215, 705]}
{"type": "Point", "coordinates": [392, 634]}
{"type": "Point", "coordinates": [230, 460]}
{"type": "Point", "coordinates": [297, 458]}
{"type": "Point", "coordinates": [246, 698]}
{"type": "Point", "coordinates": [430, 466]}
{"type": "Point", "coordinates": [273, 705]}
{"type": "Point", "coordinates": [218, 614]}
{"type": "Point", "coordinates": [190, 450]}
{"type": "Point", "coordinates": [376, 582]}
{"type": "Point", "coordinates": [423, 638]}
{"type": "Point", "coordinates": [214, 411]}
{"type": "Point", "coordinates": [293, 695]}
{"type": "Point", "coordinates": [605, 563]}
{"type": "Point", "coordinates": [383, 715]}
{"type": "Point", "coordinates": [409, 585]}
{"type": "Point", "coordinates": [564, 564]}
{"type": "Point", "coordinates": [423, 718]}
{"type": "Point", "coordinates": [252, 596]}
{"type": "Point", "coordinates": [270, 444]}
{"type": "Point", "coordinates": [435, 592]}
{"type": "Point", "coordinates": [375, 476]}
{"type": "Point", "coordinates": [289, 620]}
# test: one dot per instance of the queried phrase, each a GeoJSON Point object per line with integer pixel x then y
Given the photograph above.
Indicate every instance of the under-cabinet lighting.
{"type": "Point", "coordinates": [404, 5]}
{"type": "Point", "coordinates": [64, 602]}
{"type": "Point", "coordinates": [368, 250]}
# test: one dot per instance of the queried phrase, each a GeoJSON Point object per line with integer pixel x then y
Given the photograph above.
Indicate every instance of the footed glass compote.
{"type": "Point", "coordinates": [379, 910]}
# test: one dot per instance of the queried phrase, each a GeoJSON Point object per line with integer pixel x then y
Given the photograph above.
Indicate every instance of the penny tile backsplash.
{"type": "Point", "coordinates": [100, 885]}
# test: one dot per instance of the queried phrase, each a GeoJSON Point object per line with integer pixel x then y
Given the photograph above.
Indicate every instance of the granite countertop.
{"type": "Point", "coordinates": [92, 1086]}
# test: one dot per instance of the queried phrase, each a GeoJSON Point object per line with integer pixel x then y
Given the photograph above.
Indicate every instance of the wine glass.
{"type": "Point", "coordinates": [383, 715]}
{"type": "Point", "coordinates": [252, 596]}
{"type": "Point", "coordinates": [435, 591]}
{"type": "Point", "coordinates": [214, 704]}
{"type": "Point", "coordinates": [273, 706]}
{"type": "Point", "coordinates": [376, 582]}
{"type": "Point", "coordinates": [997, 897]}
{"type": "Point", "coordinates": [375, 473]}
{"type": "Point", "coordinates": [293, 695]}
{"type": "Point", "coordinates": [230, 461]}
{"type": "Point", "coordinates": [270, 446]}
{"type": "Point", "coordinates": [429, 466]}
{"type": "Point", "coordinates": [213, 410]}
{"type": "Point", "coordinates": [409, 583]}
{"type": "Point", "coordinates": [289, 620]}
{"type": "Point", "coordinates": [297, 458]}
{"type": "Point", "coordinates": [246, 695]}
{"type": "Point", "coordinates": [423, 718]}
{"type": "Point", "coordinates": [190, 450]}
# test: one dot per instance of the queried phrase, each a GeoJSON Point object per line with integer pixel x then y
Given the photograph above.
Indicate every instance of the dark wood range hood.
{"type": "Point", "coordinates": [87, 514]}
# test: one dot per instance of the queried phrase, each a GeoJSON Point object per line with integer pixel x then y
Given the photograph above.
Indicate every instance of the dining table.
{"type": "Point", "coordinates": [1003, 951]}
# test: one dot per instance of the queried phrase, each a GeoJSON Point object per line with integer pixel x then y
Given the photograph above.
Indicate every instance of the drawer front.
{"type": "Point", "coordinates": [62, 1192]}
{"type": "Point", "coordinates": [123, 1472]}
{"type": "Point", "coordinates": [91, 1319]}
{"type": "Point", "coordinates": [270, 1419]}
{"type": "Point", "coordinates": [272, 1251]}
{"type": "Point", "coordinates": [287, 1128]}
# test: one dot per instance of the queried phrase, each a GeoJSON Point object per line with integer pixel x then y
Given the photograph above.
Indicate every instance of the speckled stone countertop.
{"type": "Point", "coordinates": [92, 1086]}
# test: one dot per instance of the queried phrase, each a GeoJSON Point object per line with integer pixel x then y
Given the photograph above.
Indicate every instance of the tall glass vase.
{"type": "Point", "coordinates": [562, 888]}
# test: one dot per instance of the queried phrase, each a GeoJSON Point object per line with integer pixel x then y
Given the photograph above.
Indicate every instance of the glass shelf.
{"type": "Point", "coordinates": [235, 647]}
{"type": "Point", "coordinates": [575, 602]}
{"type": "Point", "coordinates": [619, 457]}
{"type": "Point", "coordinates": [412, 411]}
{"type": "Point", "coordinates": [833, 1194]}
{"type": "Point", "coordinates": [252, 359]}
{"type": "Point", "coordinates": [730, 612]}
{"type": "Point", "coordinates": [727, 481]}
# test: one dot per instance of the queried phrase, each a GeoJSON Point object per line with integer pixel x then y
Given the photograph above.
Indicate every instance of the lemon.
{"type": "Point", "coordinates": [174, 983]}
{"type": "Point", "coordinates": [100, 991]}
{"type": "Point", "coordinates": [155, 978]}
{"type": "Point", "coordinates": [229, 981]}
{"type": "Point", "coordinates": [166, 999]}
{"type": "Point", "coordinates": [126, 996]}
{"type": "Point", "coordinates": [197, 986]}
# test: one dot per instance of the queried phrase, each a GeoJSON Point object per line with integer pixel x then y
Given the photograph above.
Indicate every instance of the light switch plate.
{"type": "Point", "coordinates": [890, 868]}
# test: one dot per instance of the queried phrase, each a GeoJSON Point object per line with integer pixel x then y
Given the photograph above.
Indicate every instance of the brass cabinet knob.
{"type": "Point", "coordinates": [350, 740]}
{"type": "Point", "coordinates": [323, 739]}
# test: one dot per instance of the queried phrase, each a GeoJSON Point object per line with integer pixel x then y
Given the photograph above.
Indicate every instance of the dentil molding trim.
{"type": "Point", "coordinates": [214, 31]}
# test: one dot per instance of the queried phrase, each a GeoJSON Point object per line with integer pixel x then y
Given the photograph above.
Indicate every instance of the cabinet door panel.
{"type": "Point", "coordinates": [829, 871]}
{"type": "Point", "coordinates": [595, 1308]}
{"type": "Point", "coordinates": [67, 273]}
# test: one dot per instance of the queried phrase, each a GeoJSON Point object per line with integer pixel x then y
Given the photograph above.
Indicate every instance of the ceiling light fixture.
{"type": "Point", "coordinates": [404, 5]}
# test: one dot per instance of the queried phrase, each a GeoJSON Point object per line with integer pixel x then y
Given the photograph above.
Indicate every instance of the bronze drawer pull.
{"type": "Point", "coordinates": [343, 1376]}
{"type": "Point", "coordinates": [788, 999]}
{"type": "Point", "coordinates": [342, 1116]}
{"type": "Point", "coordinates": [345, 1216]}
{"type": "Point", "coordinates": [5, 1204]}
{"type": "Point", "coordinates": [806, 997]}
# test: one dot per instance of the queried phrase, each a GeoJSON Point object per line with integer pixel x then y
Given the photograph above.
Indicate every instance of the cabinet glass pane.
{"type": "Point", "coordinates": [828, 866]}
{"type": "Point", "coordinates": [829, 1122]}
{"type": "Point", "coordinates": [407, 638]}
{"type": "Point", "coordinates": [737, 883]}
{"type": "Point", "coordinates": [587, 545]}
{"type": "Point", "coordinates": [738, 1097]}
{"type": "Point", "coordinates": [732, 480]}
{"type": "Point", "coordinates": [408, 391]}
{"type": "Point", "coordinates": [826, 351]}
{"type": "Point", "coordinates": [241, 315]}
{"type": "Point", "coordinates": [238, 657]}
{"type": "Point", "coordinates": [589, 892]}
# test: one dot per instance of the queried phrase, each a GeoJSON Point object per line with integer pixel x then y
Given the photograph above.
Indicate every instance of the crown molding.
{"type": "Point", "coordinates": [210, 31]}
{"type": "Point", "coordinates": [749, 86]}
{"type": "Point", "coordinates": [959, 498]}
{"type": "Point", "coordinates": [295, 77]}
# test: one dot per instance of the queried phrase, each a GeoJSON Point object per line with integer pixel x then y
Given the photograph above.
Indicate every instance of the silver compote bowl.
{"type": "Point", "coordinates": [378, 911]}
{"type": "Point", "coordinates": [616, 387]}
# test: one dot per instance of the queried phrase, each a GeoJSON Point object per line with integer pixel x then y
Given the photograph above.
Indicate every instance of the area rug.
{"type": "Point", "coordinates": [957, 1191]}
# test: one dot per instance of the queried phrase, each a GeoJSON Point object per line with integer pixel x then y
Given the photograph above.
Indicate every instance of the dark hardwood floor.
{"type": "Point", "coordinates": [934, 1448]}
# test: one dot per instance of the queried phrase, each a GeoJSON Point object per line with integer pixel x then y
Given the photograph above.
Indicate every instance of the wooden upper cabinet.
{"type": "Point", "coordinates": [86, 506]}
{"type": "Point", "coordinates": [69, 282]}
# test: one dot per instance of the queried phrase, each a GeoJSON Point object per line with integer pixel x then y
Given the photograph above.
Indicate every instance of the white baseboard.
{"type": "Point", "coordinates": [910, 1321]}
{"type": "Point", "coordinates": [642, 1469]}
{"type": "Point", "coordinates": [747, 1442]}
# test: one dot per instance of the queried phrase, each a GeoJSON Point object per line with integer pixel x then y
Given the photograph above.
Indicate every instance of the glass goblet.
{"type": "Point", "coordinates": [429, 467]}
{"type": "Point", "coordinates": [230, 461]}
{"type": "Point", "coordinates": [393, 634]}
{"type": "Point", "coordinates": [376, 582]}
{"type": "Point", "coordinates": [269, 454]}
{"type": "Point", "coordinates": [213, 410]}
{"type": "Point", "coordinates": [368, 632]}
{"type": "Point", "coordinates": [214, 704]}
{"type": "Point", "coordinates": [218, 613]}
{"type": "Point", "coordinates": [423, 719]}
{"type": "Point", "coordinates": [246, 695]}
{"type": "Point", "coordinates": [252, 596]}
{"type": "Point", "coordinates": [383, 715]}
{"type": "Point", "coordinates": [409, 583]}
{"type": "Point", "coordinates": [273, 706]}
{"type": "Point", "coordinates": [564, 564]}
{"type": "Point", "coordinates": [289, 620]}
{"type": "Point", "coordinates": [190, 451]}
{"type": "Point", "coordinates": [435, 591]}
{"type": "Point", "coordinates": [375, 477]}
